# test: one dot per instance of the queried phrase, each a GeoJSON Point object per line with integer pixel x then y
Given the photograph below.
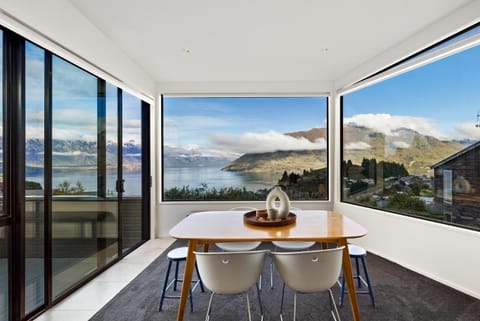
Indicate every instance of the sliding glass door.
{"type": "Point", "coordinates": [132, 160]}
{"type": "Point", "coordinates": [73, 152]}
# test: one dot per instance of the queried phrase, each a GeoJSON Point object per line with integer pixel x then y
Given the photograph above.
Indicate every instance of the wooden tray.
{"type": "Point", "coordinates": [251, 218]}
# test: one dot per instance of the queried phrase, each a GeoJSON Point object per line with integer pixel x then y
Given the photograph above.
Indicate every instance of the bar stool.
{"type": "Point", "coordinates": [178, 255]}
{"type": "Point", "coordinates": [357, 253]}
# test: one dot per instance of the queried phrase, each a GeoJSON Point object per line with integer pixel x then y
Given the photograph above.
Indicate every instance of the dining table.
{"type": "Point", "coordinates": [205, 228]}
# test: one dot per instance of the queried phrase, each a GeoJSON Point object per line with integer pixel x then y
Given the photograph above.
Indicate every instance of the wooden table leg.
{"type": "Point", "coordinates": [206, 246]}
{"type": "Point", "coordinates": [347, 274]}
{"type": "Point", "coordinates": [187, 278]}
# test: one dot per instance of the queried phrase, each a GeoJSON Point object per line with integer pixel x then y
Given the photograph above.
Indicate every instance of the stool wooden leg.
{"type": "Point", "coordinates": [342, 291]}
{"type": "Point", "coordinates": [176, 276]}
{"type": "Point", "coordinates": [199, 279]}
{"type": "Point", "coordinates": [357, 268]}
{"type": "Point", "coordinates": [367, 278]}
{"type": "Point", "coordinates": [162, 297]}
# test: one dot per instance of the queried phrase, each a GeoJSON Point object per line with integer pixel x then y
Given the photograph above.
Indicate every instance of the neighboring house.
{"type": "Point", "coordinates": [457, 186]}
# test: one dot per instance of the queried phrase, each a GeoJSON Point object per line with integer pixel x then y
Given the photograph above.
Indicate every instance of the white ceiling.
{"type": "Point", "coordinates": [258, 40]}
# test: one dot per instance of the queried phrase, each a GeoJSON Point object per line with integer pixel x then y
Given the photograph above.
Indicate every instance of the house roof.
{"type": "Point", "coordinates": [457, 154]}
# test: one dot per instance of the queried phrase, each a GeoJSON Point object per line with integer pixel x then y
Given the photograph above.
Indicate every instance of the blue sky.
{"type": "Point", "coordinates": [74, 102]}
{"type": "Point", "coordinates": [444, 96]}
{"type": "Point", "coordinates": [240, 124]}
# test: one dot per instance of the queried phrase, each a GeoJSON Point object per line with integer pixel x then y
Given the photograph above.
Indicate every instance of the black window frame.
{"type": "Point", "coordinates": [328, 98]}
{"type": "Point", "coordinates": [432, 48]}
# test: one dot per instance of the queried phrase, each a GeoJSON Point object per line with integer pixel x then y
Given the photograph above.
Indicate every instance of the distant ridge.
{"type": "Point", "coordinates": [405, 146]}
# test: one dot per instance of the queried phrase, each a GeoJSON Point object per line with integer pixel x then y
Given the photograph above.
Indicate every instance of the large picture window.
{"type": "Point", "coordinates": [237, 148]}
{"type": "Point", "coordinates": [411, 143]}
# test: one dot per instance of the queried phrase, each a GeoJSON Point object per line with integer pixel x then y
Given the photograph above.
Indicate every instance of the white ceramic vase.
{"type": "Point", "coordinates": [281, 211]}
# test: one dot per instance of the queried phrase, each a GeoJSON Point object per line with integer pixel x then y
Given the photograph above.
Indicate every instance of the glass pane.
{"type": "Point", "coordinates": [34, 174]}
{"type": "Point", "coordinates": [131, 208]}
{"type": "Point", "coordinates": [111, 233]}
{"type": "Point", "coordinates": [4, 245]}
{"type": "Point", "coordinates": [112, 139]}
{"type": "Point", "coordinates": [77, 217]}
{"type": "Point", "coordinates": [237, 148]}
{"type": "Point", "coordinates": [411, 142]}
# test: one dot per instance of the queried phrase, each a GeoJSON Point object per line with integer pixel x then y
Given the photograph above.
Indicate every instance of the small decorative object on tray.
{"type": "Point", "coordinates": [274, 215]}
{"type": "Point", "coordinates": [260, 218]}
{"type": "Point", "coordinates": [275, 196]}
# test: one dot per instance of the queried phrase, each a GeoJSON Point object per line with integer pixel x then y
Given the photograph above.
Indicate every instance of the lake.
{"type": "Point", "coordinates": [88, 179]}
{"type": "Point", "coordinates": [216, 178]}
{"type": "Point", "coordinates": [173, 177]}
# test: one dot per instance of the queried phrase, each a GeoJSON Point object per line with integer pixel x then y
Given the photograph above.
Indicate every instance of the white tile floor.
{"type": "Point", "coordinates": [82, 305]}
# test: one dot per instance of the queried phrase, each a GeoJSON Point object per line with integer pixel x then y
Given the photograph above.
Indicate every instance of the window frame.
{"type": "Point", "coordinates": [328, 140]}
{"type": "Point", "coordinates": [423, 57]}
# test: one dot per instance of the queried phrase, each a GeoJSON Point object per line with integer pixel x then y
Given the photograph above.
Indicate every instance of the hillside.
{"type": "Point", "coordinates": [404, 146]}
{"type": "Point", "coordinates": [312, 134]}
{"type": "Point", "coordinates": [417, 152]}
{"type": "Point", "coordinates": [79, 154]}
{"type": "Point", "coordinates": [278, 162]}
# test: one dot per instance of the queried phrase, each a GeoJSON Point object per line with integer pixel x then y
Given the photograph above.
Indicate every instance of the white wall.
{"type": "Point", "coordinates": [444, 253]}
{"type": "Point", "coordinates": [67, 32]}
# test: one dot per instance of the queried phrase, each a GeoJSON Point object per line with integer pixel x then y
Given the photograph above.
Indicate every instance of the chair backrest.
{"type": "Point", "coordinates": [309, 271]}
{"type": "Point", "coordinates": [230, 272]}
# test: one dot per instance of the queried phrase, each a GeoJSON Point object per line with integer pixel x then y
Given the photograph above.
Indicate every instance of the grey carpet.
{"type": "Point", "coordinates": [401, 295]}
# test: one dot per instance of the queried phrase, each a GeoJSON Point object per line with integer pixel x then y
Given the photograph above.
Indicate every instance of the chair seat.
{"type": "Point", "coordinates": [293, 245]}
{"type": "Point", "coordinates": [355, 250]}
{"type": "Point", "coordinates": [179, 253]}
{"type": "Point", "coordinates": [238, 246]}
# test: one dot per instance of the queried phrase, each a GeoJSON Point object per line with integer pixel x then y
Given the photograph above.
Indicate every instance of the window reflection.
{"type": "Point", "coordinates": [34, 174]}
{"type": "Point", "coordinates": [411, 147]}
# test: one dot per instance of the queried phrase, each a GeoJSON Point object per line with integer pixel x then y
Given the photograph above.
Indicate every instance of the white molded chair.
{"type": "Point", "coordinates": [239, 246]}
{"type": "Point", "coordinates": [231, 273]}
{"type": "Point", "coordinates": [289, 246]}
{"type": "Point", "coordinates": [309, 272]}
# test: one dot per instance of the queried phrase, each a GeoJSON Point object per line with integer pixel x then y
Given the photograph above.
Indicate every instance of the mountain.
{"type": "Point", "coordinates": [295, 161]}
{"type": "Point", "coordinates": [415, 151]}
{"type": "Point", "coordinates": [180, 157]}
{"type": "Point", "coordinates": [312, 134]}
{"type": "Point", "coordinates": [80, 154]}
{"type": "Point", "coordinates": [277, 162]}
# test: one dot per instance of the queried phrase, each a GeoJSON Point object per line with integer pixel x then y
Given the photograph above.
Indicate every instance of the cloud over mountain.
{"type": "Point", "coordinates": [387, 124]}
{"type": "Point", "coordinates": [270, 141]}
